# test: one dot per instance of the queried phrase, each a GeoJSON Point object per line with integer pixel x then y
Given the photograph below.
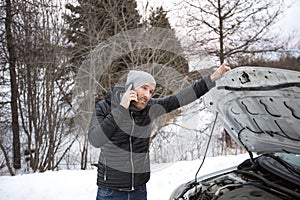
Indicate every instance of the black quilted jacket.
{"type": "Point", "coordinates": [123, 135]}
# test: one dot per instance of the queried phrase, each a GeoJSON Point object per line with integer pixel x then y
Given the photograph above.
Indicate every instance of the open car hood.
{"type": "Point", "coordinates": [259, 107]}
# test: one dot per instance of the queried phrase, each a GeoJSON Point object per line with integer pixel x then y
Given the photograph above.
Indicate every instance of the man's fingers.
{"type": "Point", "coordinates": [133, 96]}
{"type": "Point", "coordinates": [128, 96]}
{"type": "Point", "coordinates": [224, 68]}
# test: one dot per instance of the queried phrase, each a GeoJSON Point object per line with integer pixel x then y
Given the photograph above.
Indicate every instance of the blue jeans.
{"type": "Point", "coordinates": [110, 194]}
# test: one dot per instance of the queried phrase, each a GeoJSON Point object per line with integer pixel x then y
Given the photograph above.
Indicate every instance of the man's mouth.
{"type": "Point", "coordinates": [143, 101]}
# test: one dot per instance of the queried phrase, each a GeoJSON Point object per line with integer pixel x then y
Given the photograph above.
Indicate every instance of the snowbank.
{"type": "Point", "coordinates": [80, 185]}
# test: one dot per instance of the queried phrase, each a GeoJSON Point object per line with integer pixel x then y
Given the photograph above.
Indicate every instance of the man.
{"type": "Point", "coordinates": [121, 127]}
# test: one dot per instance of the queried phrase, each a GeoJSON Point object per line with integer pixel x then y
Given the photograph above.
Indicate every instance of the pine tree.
{"type": "Point", "coordinates": [93, 21]}
{"type": "Point", "coordinates": [158, 18]}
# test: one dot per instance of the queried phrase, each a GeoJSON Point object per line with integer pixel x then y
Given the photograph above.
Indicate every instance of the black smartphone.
{"type": "Point", "coordinates": [126, 86]}
{"type": "Point", "coordinates": [132, 88]}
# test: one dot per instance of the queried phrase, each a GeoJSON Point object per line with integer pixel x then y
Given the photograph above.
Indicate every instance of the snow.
{"type": "Point", "coordinates": [80, 185]}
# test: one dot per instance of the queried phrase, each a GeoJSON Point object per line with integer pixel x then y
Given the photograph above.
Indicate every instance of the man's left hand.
{"type": "Point", "coordinates": [219, 72]}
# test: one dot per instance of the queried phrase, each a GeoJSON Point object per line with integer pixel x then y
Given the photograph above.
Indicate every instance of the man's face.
{"type": "Point", "coordinates": [144, 94]}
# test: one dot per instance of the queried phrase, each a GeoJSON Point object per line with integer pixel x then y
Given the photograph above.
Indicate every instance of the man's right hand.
{"type": "Point", "coordinates": [128, 96]}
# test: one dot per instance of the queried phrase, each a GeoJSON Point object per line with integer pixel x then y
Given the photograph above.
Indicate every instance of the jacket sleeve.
{"type": "Point", "coordinates": [187, 95]}
{"type": "Point", "coordinates": [102, 126]}
{"type": "Point", "coordinates": [105, 121]}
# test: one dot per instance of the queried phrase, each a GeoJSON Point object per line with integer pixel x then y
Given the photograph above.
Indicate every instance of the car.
{"type": "Point", "coordinates": [259, 107]}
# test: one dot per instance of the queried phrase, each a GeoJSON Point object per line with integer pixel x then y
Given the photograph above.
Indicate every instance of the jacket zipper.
{"type": "Point", "coordinates": [131, 153]}
{"type": "Point", "coordinates": [105, 169]}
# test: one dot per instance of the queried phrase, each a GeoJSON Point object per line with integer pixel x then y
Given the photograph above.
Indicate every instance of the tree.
{"type": "Point", "coordinates": [42, 82]}
{"type": "Point", "coordinates": [165, 135]}
{"type": "Point", "coordinates": [90, 23]}
{"type": "Point", "coordinates": [230, 29]}
{"type": "Point", "coordinates": [13, 85]}
{"type": "Point", "coordinates": [93, 21]}
{"type": "Point", "coordinates": [158, 18]}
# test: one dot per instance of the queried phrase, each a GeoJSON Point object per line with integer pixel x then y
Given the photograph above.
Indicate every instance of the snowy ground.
{"type": "Point", "coordinates": [80, 185]}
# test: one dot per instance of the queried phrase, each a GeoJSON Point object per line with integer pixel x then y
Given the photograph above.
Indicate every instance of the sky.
{"type": "Point", "coordinates": [290, 19]}
{"type": "Point", "coordinates": [287, 24]}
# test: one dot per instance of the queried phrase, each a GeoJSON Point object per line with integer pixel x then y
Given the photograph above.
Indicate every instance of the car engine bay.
{"type": "Point", "coordinates": [249, 181]}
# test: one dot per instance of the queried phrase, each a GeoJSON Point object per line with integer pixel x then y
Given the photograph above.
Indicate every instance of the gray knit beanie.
{"type": "Point", "coordinates": [138, 78]}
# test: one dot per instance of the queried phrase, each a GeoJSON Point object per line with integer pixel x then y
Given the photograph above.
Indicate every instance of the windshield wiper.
{"type": "Point", "coordinates": [270, 183]}
{"type": "Point", "coordinates": [285, 164]}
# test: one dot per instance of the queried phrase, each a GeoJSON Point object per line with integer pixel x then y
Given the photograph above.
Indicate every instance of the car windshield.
{"type": "Point", "coordinates": [293, 159]}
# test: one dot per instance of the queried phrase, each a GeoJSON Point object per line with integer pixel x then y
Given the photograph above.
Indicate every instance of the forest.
{"type": "Point", "coordinates": [58, 58]}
